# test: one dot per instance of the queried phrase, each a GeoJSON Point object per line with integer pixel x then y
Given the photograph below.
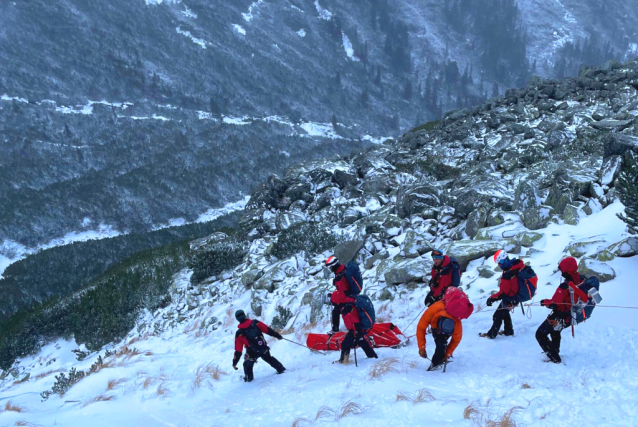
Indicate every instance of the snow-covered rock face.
{"type": "Point", "coordinates": [427, 187]}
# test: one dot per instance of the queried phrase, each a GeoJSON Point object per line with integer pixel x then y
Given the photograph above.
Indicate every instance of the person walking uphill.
{"type": "Point", "coordinates": [343, 300]}
{"type": "Point", "coordinates": [445, 272]}
{"type": "Point", "coordinates": [250, 334]}
{"type": "Point", "coordinates": [561, 306]}
{"type": "Point", "coordinates": [444, 318]}
{"type": "Point", "coordinates": [510, 292]}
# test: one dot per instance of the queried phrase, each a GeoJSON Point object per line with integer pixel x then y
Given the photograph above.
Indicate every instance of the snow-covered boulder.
{"type": "Point", "coordinates": [610, 169]}
{"type": "Point", "coordinates": [627, 247]}
{"type": "Point", "coordinates": [573, 214]}
{"type": "Point", "coordinates": [416, 243]}
{"type": "Point", "coordinates": [591, 267]}
{"type": "Point", "coordinates": [468, 250]}
{"type": "Point", "coordinates": [396, 272]}
{"type": "Point", "coordinates": [589, 247]}
{"type": "Point", "coordinates": [275, 274]}
{"type": "Point", "coordinates": [414, 200]}
{"type": "Point", "coordinates": [347, 251]}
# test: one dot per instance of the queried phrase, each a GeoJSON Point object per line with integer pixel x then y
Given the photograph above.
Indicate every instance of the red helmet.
{"type": "Point", "coordinates": [332, 261]}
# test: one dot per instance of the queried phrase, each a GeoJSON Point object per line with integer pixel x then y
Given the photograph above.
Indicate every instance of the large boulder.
{"type": "Point", "coordinates": [468, 250]}
{"type": "Point", "coordinates": [627, 247]}
{"type": "Point", "coordinates": [275, 274]}
{"type": "Point", "coordinates": [611, 168]}
{"type": "Point", "coordinates": [347, 251]}
{"type": "Point", "coordinates": [270, 195]}
{"type": "Point", "coordinates": [415, 270]}
{"type": "Point", "coordinates": [573, 214]}
{"type": "Point", "coordinates": [342, 178]}
{"type": "Point", "coordinates": [591, 267]}
{"type": "Point", "coordinates": [413, 200]}
{"type": "Point", "coordinates": [251, 276]}
{"type": "Point", "coordinates": [589, 247]}
{"type": "Point", "coordinates": [476, 220]}
{"type": "Point", "coordinates": [528, 201]}
{"type": "Point", "coordinates": [416, 243]}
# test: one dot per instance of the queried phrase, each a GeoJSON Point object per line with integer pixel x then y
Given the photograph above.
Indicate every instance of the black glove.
{"type": "Point", "coordinates": [235, 367]}
{"type": "Point", "coordinates": [543, 301]}
{"type": "Point", "coordinates": [429, 299]}
{"type": "Point", "coordinates": [553, 306]}
{"type": "Point", "coordinates": [277, 335]}
{"type": "Point", "coordinates": [490, 301]}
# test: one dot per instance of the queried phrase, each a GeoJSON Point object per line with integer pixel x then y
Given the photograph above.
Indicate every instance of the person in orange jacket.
{"type": "Point", "coordinates": [443, 326]}
{"type": "Point", "coordinates": [561, 305]}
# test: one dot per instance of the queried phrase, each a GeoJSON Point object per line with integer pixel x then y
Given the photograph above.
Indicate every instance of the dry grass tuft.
{"type": "Point", "coordinates": [506, 420]}
{"type": "Point", "coordinates": [114, 383]}
{"type": "Point", "coordinates": [481, 417]}
{"type": "Point", "coordinates": [349, 408]}
{"type": "Point", "coordinates": [100, 398]}
{"type": "Point", "coordinates": [299, 422]}
{"type": "Point", "coordinates": [205, 373]}
{"type": "Point", "coordinates": [382, 367]}
{"type": "Point", "coordinates": [421, 396]}
{"type": "Point", "coordinates": [162, 390]}
{"type": "Point", "coordinates": [326, 413]}
{"type": "Point", "coordinates": [525, 386]}
{"type": "Point", "coordinates": [9, 407]}
{"type": "Point", "coordinates": [472, 413]}
{"type": "Point", "coordinates": [230, 317]}
{"type": "Point", "coordinates": [46, 374]}
{"type": "Point", "coordinates": [385, 313]}
{"type": "Point", "coordinates": [26, 423]}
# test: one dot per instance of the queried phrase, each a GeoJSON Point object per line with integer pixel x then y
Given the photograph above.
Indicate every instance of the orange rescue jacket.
{"type": "Point", "coordinates": [431, 318]}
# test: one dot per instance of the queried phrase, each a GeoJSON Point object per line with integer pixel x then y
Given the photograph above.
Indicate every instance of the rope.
{"type": "Point", "coordinates": [301, 345]}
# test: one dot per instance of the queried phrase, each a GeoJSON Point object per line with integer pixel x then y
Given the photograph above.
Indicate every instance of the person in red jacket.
{"type": "Point", "coordinates": [342, 301]}
{"type": "Point", "coordinates": [250, 334]}
{"type": "Point", "coordinates": [441, 277]}
{"type": "Point", "coordinates": [508, 288]}
{"type": "Point", "coordinates": [561, 306]}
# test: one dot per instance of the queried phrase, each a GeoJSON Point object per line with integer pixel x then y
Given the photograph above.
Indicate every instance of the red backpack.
{"type": "Point", "coordinates": [457, 304]}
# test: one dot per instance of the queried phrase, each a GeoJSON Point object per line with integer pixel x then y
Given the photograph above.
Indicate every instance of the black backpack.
{"type": "Point", "coordinates": [255, 338]}
{"type": "Point", "coordinates": [353, 276]}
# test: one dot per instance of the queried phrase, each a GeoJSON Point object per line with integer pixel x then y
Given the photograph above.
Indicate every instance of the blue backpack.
{"type": "Point", "coordinates": [456, 272]}
{"type": "Point", "coordinates": [353, 276]}
{"type": "Point", "coordinates": [365, 308]}
{"type": "Point", "coordinates": [527, 281]}
{"type": "Point", "coordinates": [582, 311]}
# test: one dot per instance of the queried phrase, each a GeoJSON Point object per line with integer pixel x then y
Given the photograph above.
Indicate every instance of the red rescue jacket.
{"type": "Point", "coordinates": [509, 281]}
{"type": "Point", "coordinates": [241, 341]}
{"type": "Point", "coordinates": [441, 282]}
{"type": "Point", "coordinates": [348, 311]}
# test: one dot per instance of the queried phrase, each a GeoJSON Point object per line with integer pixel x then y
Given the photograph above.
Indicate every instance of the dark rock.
{"type": "Point", "coordinates": [415, 199]}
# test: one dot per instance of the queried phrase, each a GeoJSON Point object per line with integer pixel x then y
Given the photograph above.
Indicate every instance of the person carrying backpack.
{"type": "Point", "coordinates": [444, 318]}
{"type": "Point", "coordinates": [343, 300]}
{"type": "Point", "coordinates": [445, 272]}
{"type": "Point", "coordinates": [561, 306]}
{"type": "Point", "coordinates": [507, 294]}
{"type": "Point", "coordinates": [250, 335]}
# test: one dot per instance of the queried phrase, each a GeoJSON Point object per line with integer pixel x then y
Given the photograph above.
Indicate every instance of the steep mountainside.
{"type": "Point", "coordinates": [107, 108]}
{"type": "Point", "coordinates": [535, 172]}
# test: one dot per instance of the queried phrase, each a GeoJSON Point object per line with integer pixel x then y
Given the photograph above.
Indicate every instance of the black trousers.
{"type": "Point", "coordinates": [336, 315]}
{"type": "Point", "coordinates": [441, 341]}
{"type": "Point", "coordinates": [251, 359]}
{"type": "Point", "coordinates": [502, 315]}
{"type": "Point", "coordinates": [356, 338]}
{"type": "Point", "coordinates": [551, 328]}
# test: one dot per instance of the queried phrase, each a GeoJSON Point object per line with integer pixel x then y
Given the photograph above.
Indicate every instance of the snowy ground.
{"type": "Point", "coordinates": [596, 385]}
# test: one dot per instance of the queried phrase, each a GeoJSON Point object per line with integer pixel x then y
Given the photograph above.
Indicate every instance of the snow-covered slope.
{"type": "Point", "coordinates": [157, 385]}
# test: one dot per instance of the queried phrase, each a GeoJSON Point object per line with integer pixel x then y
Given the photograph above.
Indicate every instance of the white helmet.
{"type": "Point", "coordinates": [500, 256]}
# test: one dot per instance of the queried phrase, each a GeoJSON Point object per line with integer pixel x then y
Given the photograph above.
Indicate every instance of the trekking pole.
{"type": "Point", "coordinates": [444, 365]}
{"type": "Point", "coordinates": [355, 357]}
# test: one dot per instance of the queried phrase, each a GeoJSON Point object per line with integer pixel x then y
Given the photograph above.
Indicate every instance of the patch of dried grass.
{"type": "Point", "coordinates": [114, 383]}
{"type": "Point", "coordinates": [481, 417]}
{"type": "Point", "coordinates": [525, 386]}
{"type": "Point", "coordinates": [205, 373]}
{"type": "Point", "coordinates": [26, 423]}
{"type": "Point", "coordinates": [385, 313]}
{"type": "Point", "coordinates": [46, 374]}
{"type": "Point", "coordinates": [162, 390]}
{"type": "Point", "coordinates": [9, 407]}
{"type": "Point", "coordinates": [300, 422]}
{"type": "Point", "coordinates": [421, 396]}
{"type": "Point", "coordinates": [349, 408]}
{"type": "Point", "coordinates": [382, 367]}
{"type": "Point", "coordinates": [230, 317]}
{"type": "Point", "coordinates": [100, 398]}
{"type": "Point", "coordinates": [326, 413]}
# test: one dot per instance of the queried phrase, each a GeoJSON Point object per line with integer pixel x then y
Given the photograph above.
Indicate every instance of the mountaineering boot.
{"type": "Point", "coordinates": [281, 371]}
{"type": "Point", "coordinates": [507, 333]}
{"type": "Point", "coordinates": [344, 358]}
{"type": "Point", "coordinates": [245, 379]}
{"type": "Point", "coordinates": [434, 367]}
{"type": "Point", "coordinates": [488, 334]}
